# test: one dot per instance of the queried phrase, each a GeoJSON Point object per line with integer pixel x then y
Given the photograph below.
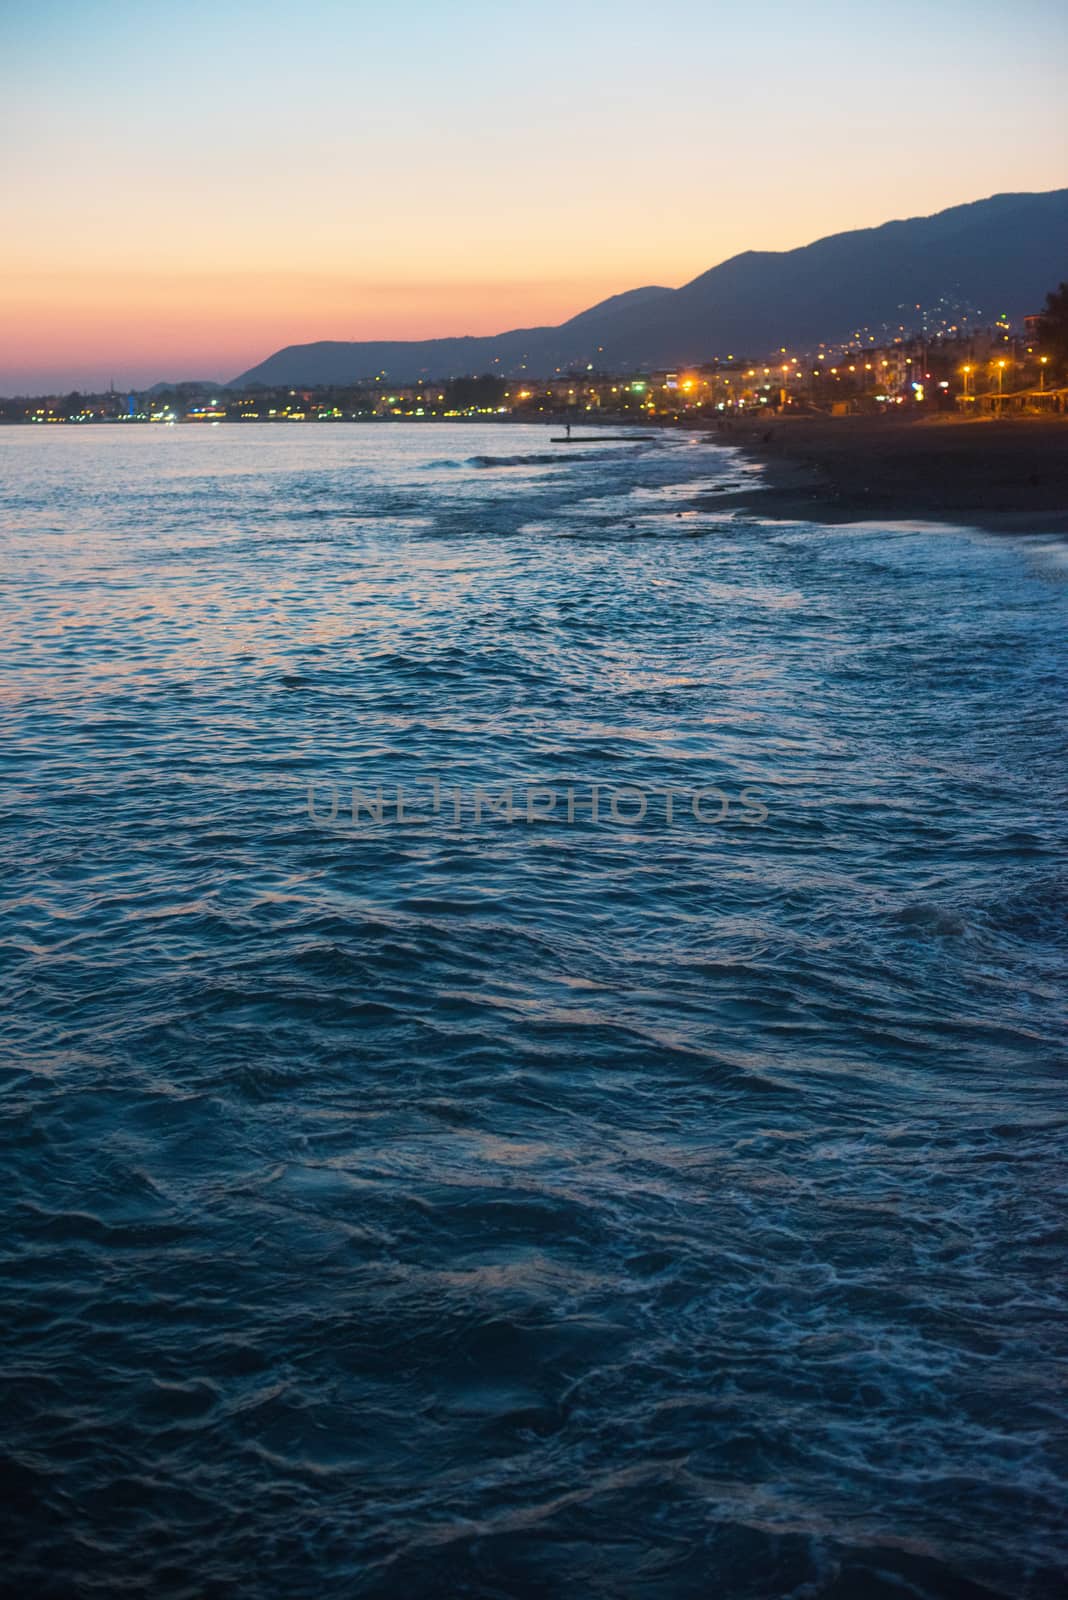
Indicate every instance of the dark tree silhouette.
{"type": "Point", "coordinates": [483, 391]}
{"type": "Point", "coordinates": [1053, 329]}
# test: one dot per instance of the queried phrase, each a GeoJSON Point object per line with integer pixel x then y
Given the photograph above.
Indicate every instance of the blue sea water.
{"type": "Point", "coordinates": [620, 1207]}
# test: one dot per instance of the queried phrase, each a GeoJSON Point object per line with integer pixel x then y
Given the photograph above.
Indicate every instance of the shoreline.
{"type": "Point", "coordinates": [1007, 476]}
{"type": "Point", "coordinates": [1000, 476]}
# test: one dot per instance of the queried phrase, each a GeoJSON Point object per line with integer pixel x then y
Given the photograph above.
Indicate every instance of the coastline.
{"type": "Point", "coordinates": [1000, 476]}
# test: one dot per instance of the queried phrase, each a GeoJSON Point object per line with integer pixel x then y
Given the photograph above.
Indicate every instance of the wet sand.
{"type": "Point", "coordinates": [1005, 476]}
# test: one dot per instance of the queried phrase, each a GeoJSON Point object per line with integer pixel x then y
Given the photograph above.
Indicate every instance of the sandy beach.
{"type": "Point", "coordinates": [1006, 476]}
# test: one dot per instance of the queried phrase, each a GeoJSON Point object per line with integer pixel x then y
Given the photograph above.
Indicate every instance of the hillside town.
{"type": "Point", "coordinates": [998, 370]}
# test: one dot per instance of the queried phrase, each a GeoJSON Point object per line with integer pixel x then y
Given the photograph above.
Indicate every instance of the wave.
{"type": "Point", "coordinates": [542, 459]}
{"type": "Point", "coordinates": [452, 464]}
{"type": "Point", "coordinates": [538, 458]}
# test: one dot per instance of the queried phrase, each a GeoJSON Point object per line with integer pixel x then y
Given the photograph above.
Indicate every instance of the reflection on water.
{"type": "Point", "coordinates": [634, 1209]}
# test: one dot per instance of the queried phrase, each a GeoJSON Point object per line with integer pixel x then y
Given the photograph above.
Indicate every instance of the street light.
{"type": "Point", "coordinates": [1001, 376]}
{"type": "Point", "coordinates": [967, 373]}
{"type": "Point", "coordinates": [1042, 372]}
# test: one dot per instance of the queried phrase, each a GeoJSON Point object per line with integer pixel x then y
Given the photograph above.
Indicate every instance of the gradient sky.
{"type": "Point", "coordinates": [186, 188]}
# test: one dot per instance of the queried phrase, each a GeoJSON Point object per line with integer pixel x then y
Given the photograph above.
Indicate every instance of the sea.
{"type": "Point", "coordinates": [532, 1027]}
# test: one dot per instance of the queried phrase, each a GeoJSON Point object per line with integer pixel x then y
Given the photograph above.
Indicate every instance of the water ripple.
{"type": "Point", "coordinates": [639, 1208]}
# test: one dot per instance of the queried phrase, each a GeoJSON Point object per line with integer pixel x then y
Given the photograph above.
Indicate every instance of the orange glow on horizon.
{"type": "Point", "coordinates": [143, 327]}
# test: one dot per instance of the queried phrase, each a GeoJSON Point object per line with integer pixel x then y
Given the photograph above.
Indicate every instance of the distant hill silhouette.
{"type": "Point", "coordinates": [194, 385]}
{"type": "Point", "coordinates": [999, 255]}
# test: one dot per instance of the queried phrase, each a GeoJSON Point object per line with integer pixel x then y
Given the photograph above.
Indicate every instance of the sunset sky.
{"type": "Point", "coordinates": [187, 188]}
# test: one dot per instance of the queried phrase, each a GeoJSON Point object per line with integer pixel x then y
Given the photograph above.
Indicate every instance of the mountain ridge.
{"type": "Point", "coordinates": [1000, 255]}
